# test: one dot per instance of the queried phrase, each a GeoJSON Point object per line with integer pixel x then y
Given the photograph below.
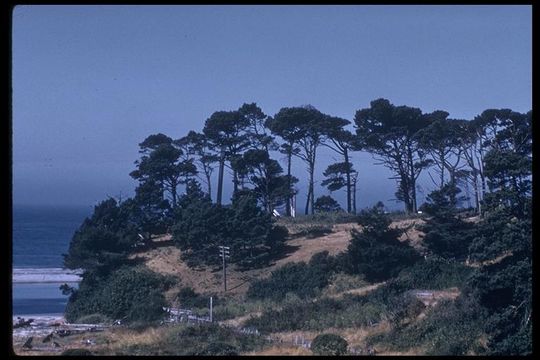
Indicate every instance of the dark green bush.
{"type": "Point", "coordinates": [329, 344]}
{"type": "Point", "coordinates": [315, 231]}
{"type": "Point", "coordinates": [435, 274]}
{"type": "Point", "coordinates": [320, 314]}
{"type": "Point", "coordinates": [376, 251]}
{"type": "Point", "coordinates": [451, 328]}
{"type": "Point", "coordinates": [94, 319]}
{"type": "Point", "coordinates": [301, 279]}
{"type": "Point", "coordinates": [218, 349]}
{"type": "Point", "coordinates": [76, 352]}
{"type": "Point", "coordinates": [130, 293]}
{"type": "Point", "coordinates": [188, 299]}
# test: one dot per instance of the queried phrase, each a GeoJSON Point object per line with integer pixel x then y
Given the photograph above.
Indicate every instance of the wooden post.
{"type": "Point", "coordinates": [210, 309]}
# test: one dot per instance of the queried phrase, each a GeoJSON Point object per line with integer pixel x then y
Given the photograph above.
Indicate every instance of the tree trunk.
{"type": "Point", "coordinates": [288, 203]}
{"type": "Point", "coordinates": [412, 184]}
{"type": "Point", "coordinates": [310, 197]}
{"type": "Point", "coordinates": [354, 194]}
{"type": "Point", "coordinates": [173, 193]}
{"type": "Point", "coordinates": [311, 184]}
{"type": "Point", "coordinates": [346, 155]}
{"type": "Point", "coordinates": [220, 179]}
{"type": "Point", "coordinates": [209, 185]}
{"type": "Point", "coordinates": [235, 181]}
{"type": "Point", "coordinates": [441, 159]}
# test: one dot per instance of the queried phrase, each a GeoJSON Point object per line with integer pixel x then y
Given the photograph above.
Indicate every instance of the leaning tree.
{"type": "Point", "coordinates": [389, 132]}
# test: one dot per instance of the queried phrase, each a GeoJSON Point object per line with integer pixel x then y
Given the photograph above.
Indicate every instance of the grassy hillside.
{"type": "Point", "coordinates": [348, 305]}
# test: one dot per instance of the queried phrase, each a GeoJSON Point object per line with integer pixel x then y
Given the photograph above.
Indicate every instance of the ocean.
{"type": "Point", "coordinates": [41, 234]}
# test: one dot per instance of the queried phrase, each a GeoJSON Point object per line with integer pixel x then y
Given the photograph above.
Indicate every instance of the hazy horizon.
{"type": "Point", "coordinates": [91, 82]}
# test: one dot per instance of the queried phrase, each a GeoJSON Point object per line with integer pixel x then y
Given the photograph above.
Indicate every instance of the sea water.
{"type": "Point", "coordinates": [41, 234]}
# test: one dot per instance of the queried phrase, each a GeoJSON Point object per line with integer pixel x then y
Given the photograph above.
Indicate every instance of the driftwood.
{"type": "Point", "coordinates": [22, 323]}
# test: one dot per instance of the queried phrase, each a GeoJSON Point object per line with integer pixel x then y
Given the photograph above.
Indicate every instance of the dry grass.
{"type": "Point", "coordinates": [281, 350]}
{"type": "Point", "coordinates": [489, 262]}
{"type": "Point", "coordinates": [166, 260]}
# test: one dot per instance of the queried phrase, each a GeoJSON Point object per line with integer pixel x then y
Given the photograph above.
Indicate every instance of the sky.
{"type": "Point", "coordinates": [91, 82]}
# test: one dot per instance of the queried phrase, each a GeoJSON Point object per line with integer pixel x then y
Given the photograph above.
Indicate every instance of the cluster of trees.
{"type": "Point", "coordinates": [402, 138]}
{"type": "Point", "coordinates": [492, 155]}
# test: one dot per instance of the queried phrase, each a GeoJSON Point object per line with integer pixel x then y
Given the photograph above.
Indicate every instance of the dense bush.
{"type": "Point", "coordinates": [188, 299]}
{"type": "Point", "coordinates": [76, 352]}
{"type": "Point", "coordinates": [435, 274]}
{"type": "Point", "coordinates": [93, 319]}
{"type": "Point", "coordinates": [320, 314]}
{"type": "Point", "coordinates": [314, 231]}
{"type": "Point", "coordinates": [218, 349]}
{"type": "Point", "coordinates": [446, 234]}
{"type": "Point", "coordinates": [202, 226]}
{"type": "Point", "coordinates": [329, 344]}
{"type": "Point", "coordinates": [326, 203]}
{"type": "Point", "coordinates": [376, 251]}
{"type": "Point", "coordinates": [104, 239]}
{"type": "Point", "coordinates": [301, 279]}
{"type": "Point", "coordinates": [451, 328]}
{"type": "Point", "coordinates": [128, 293]}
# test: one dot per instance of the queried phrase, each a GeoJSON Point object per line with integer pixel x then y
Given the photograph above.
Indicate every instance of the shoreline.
{"type": "Point", "coordinates": [45, 275]}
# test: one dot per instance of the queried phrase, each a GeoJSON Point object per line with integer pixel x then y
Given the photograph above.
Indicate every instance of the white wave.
{"type": "Point", "coordinates": [45, 275]}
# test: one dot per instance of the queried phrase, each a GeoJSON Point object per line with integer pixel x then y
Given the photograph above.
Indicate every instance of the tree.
{"type": "Point", "coordinates": [503, 240]}
{"type": "Point", "coordinates": [198, 145]}
{"type": "Point", "coordinates": [270, 187]}
{"type": "Point", "coordinates": [376, 251]}
{"type": "Point", "coordinates": [202, 226]}
{"type": "Point", "coordinates": [341, 141]}
{"type": "Point", "coordinates": [161, 164]}
{"type": "Point", "coordinates": [339, 175]}
{"type": "Point", "coordinates": [441, 140]}
{"type": "Point", "coordinates": [445, 234]}
{"type": "Point", "coordinates": [389, 132]}
{"type": "Point", "coordinates": [326, 204]}
{"type": "Point", "coordinates": [304, 127]}
{"type": "Point", "coordinates": [256, 128]}
{"type": "Point", "coordinates": [103, 240]}
{"type": "Point", "coordinates": [287, 126]}
{"type": "Point", "coordinates": [226, 130]}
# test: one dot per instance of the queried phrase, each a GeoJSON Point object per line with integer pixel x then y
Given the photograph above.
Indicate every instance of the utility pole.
{"type": "Point", "coordinates": [224, 253]}
{"type": "Point", "coordinates": [210, 309]}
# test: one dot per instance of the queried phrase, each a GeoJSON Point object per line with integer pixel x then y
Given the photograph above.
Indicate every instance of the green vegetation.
{"type": "Point", "coordinates": [376, 252]}
{"type": "Point", "coordinates": [130, 293]}
{"type": "Point", "coordinates": [301, 279]}
{"type": "Point", "coordinates": [326, 203]}
{"type": "Point", "coordinates": [329, 344]}
{"type": "Point", "coordinates": [204, 339]}
{"type": "Point", "coordinates": [488, 260]}
{"type": "Point", "coordinates": [249, 232]}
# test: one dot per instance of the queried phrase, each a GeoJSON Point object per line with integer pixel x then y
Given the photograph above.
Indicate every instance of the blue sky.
{"type": "Point", "coordinates": [91, 82]}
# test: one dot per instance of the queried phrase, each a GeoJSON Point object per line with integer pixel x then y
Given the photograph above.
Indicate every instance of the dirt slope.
{"type": "Point", "coordinates": [166, 259]}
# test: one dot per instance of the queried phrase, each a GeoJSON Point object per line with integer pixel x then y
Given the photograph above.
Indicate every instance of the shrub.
{"type": "Point", "coordinates": [93, 319]}
{"type": "Point", "coordinates": [131, 293]}
{"type": "Point", "coordinates": [340, 282]}
{"type": "Point", "coordinates": [315, 231]}
{"type": "Point", "coordinates": [326, 203]}
{"type": "Point", "coordinates": [76, 352]}
{"type": "Point", "coordinates": [218, 349]}
{"type": "Point", "coordinates": [329, 344]}
{"type": "Point", "coordinates": [451, 328]}
{"type": "Point", "coordinates": [301, 279]}
{"type": "Point", "coordinates": [376, 252]}
{"type": "Point", "coordinates": [435, 274]}
{"type": "Point", "coordinates": [188, 298]}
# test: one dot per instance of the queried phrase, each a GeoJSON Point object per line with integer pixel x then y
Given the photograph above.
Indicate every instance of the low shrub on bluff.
{"type": "Point", "coordinates": [130, 293]}
{"type": "Point", "coordinates": [301, 279]}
